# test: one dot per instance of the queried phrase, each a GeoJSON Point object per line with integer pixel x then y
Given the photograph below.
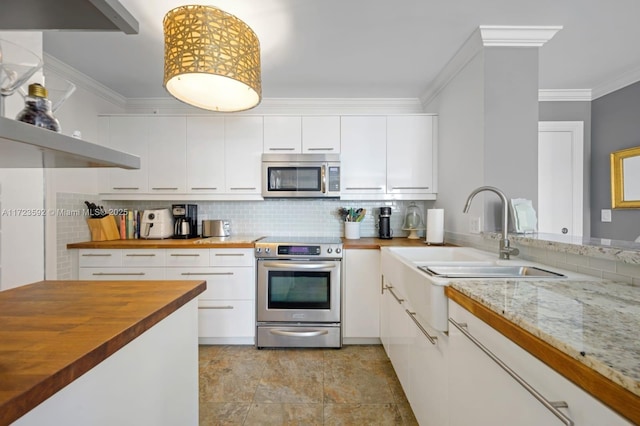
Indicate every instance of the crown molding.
{"type": "Point", "coordinates": [565, 95]}
{"type": "Point", "coordinates": [517, 36]}
{"type": "Point", "coordinates": [287, 106]}
{"type": "Point", "coordinates": [469, 49]}
{"type": "Point", "coordinates": [56, 66]}
{"type": "Point", "coordinates": [626, 79]}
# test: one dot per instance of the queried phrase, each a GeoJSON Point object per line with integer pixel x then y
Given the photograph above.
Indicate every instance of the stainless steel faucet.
{"type": "Point", "coordinates": [505, 246]}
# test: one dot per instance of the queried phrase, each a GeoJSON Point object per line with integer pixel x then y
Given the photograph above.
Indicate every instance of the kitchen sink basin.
{"type": "Point", "coordinates": [488, 271]}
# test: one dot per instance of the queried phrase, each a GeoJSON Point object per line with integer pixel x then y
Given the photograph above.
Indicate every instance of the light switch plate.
{"type": "Point", "coordinates": [475, 225]}
{"type": "Point", "coordinates": [605, 215]}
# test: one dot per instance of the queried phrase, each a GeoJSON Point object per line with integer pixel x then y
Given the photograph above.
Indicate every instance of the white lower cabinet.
{"type": "Point", "coordinates": [226, 309]}
{"type": "Point", "coordinates": [482, 393]}
{"type": "Point", "coordinates": [418, 355]}
{"type": "Point", "coordinates": [361, 280]}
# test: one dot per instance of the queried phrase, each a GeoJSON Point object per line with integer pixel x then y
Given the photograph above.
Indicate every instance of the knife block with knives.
{"type": "Point", "coordinates": [103, 229]}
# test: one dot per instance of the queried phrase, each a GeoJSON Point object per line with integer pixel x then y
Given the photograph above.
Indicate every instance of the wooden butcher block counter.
{"type": "Point", "coordinates": [53, 332]}
{"type": "Point", "coordinates": [374, 243]}
{"type": "Point", "coordinates": [234, 241]}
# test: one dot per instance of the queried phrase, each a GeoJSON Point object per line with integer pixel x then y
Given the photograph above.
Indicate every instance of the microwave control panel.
{"type": "Point", "coordinates": [333, 182]}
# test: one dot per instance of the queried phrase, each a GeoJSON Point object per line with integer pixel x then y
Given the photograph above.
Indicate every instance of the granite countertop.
{"type": "Point", "coordinates": [234, 241]}
{"type": "Point", "coordinates": [594, 322]}
{"type": "Point", "coordinates": [52, 332]}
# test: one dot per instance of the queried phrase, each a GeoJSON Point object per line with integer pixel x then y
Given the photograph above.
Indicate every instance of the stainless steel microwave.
{"type": "Point", "coordinates": [301, 175]}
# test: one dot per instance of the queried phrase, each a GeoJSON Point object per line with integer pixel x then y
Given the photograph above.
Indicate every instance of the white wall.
{"type": "Point", "coordinates": [460, 106]}
{"type": "Point", "coordinates": [22, 198]}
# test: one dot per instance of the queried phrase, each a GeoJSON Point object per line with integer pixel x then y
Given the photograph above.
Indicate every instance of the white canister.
{"type": "Point", "coordinates": [352, 230]}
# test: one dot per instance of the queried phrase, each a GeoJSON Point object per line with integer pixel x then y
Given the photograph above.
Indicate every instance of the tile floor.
{"type": "Point", "coordinates": [355, 385]}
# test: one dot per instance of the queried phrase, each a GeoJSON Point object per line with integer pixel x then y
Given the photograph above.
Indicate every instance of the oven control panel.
{"type": "Point", "coordinates": [275, 250]}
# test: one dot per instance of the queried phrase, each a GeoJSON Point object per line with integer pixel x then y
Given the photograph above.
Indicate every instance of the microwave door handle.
{"type": "Point", "coordinates": [323, 177]}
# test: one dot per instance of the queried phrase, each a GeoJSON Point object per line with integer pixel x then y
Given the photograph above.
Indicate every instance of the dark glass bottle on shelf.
{"type": "Point", "coordinates": [37, 109]}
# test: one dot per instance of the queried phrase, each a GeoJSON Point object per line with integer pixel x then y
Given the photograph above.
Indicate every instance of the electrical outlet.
{"type": "Point", "coordinates": [605, 215]}
{"type": "Point", "coordinates": [475, 225]}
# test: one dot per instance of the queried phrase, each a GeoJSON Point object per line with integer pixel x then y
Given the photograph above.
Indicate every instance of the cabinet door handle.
{"type": "Point", "coordinates": [549, 405]}
{"type": "Point", "coordinates": [122, 188]}
{"type": "Point", "coordinates": [319, 149]}
{"type": "Point", "coordinates": [390, 288]}
{"type": "Point", "coordinates": [185, 254]}
{"type": "Point", "coordinates": [431, 338]}
{"type": "Point", "coordinates": [282, 149]}
{"type": "Point", "coordinates": [229, 254]}
{"type": "Point", "coordinates": [366, 188]}
{"type": "Point", "coordinates": [204, 188]}
{"type": "Point", "coordinates": [118, 273]}
{"type": "Point", "coordinates": [409, 187]}
{"type": "Point", "coordinates": [243, 189]}
{"type": "Point", "coordinates": [140, 255]}
{"type": "Point", "coordinates": [206, 273]}
{"type": "Point", "coordinates": [216, 307]}
{"type": "Point", "coordinates": [164, 189]}
{"type": "Point", "coordinates": [97, 254]}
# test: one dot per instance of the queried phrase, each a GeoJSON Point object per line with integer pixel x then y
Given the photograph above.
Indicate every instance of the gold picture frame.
{"type": "Point", "coordinates": [621, 199]}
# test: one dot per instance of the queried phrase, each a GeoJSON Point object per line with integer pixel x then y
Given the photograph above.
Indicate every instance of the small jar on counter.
{"type": "Point", "coordinates": [37, 109]}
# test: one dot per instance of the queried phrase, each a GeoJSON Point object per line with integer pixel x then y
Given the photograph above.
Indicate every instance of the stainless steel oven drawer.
{"type": "Point", "coordinates": [299, 336]}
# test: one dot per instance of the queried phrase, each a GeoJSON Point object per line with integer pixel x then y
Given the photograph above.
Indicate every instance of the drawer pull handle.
{"type": "Point", "coordinates": [141, 255]}
{"type": "Point", "coordinates": [185, 254]}
{"type": "Point", "coordinates": [203, 188]}
{"type": "Point", "coordinates": [412, 315]}
{"type": "Point", "coordinates": [549, 405]}
{"type": "Point", "coordinates": [243, 189]}
{"type": "Point", "coordinates": [97, 254]}
{"type": "Point", "coordinates": [229, 254]}
{"type": "Point", "coordinates": [367, 188]}
{"type": "Point", "coordinates": [290, 333]}
{"type": "Point", "coordinates": [216, 307]}
{"type": "Point", "coordinates": [123, 188]}
{"type": "Point", "coordinates": [118, 273]}
{"type": "Point", "coordinates": [206, 273]}
{"type": "Point", "coordinates": [390, 288]}
{"type": "Point", "coordinates": [165, 189]}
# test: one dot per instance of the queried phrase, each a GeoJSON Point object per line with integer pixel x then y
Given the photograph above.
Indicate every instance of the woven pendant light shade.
{"type": "Point", "coordinates": [211, 59]}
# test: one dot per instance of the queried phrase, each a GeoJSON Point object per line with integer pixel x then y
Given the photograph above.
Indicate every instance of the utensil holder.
{"type": "Point", "coordinates": [103, 229]}
{"type": "Point", "coordinates": [352, 230]}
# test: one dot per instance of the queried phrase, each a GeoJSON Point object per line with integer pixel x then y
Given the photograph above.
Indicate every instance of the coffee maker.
{"type": "Point", "coordinates": [186, 220]}
{"type": "Point", "coordinates": [384, 223]}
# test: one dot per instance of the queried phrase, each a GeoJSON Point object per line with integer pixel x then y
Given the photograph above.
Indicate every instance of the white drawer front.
{"type": "Point", "coordinates": [118, 274]}
{"type": "Point", "coordinates": [99, 257]}
{"type": "Point", "coordinates": [232, 257]}
{"type": "Point", "coordinates": [187, 257]}
{"type": "Point", "coordinates": [143, 257]}
{"type": "Point", "coordinates": [222, 283]}
{"type": "Point", "coordinates": [226, 318]}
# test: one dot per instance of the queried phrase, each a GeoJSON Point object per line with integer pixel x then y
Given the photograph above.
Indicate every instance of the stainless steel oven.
{"type": "Point", "coordinates": [298, 293]}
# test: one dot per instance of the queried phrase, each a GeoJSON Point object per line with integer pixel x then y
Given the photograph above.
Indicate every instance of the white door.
{"type": "Point", "coordinates": [560, 177]}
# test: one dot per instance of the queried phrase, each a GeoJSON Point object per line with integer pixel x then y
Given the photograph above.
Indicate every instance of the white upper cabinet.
{"type": "Point", "coordinates": [205, 155]}
{"type": "Point", "coordinates": [321, 135]}
{"type": "Point", "coordinates": [128, 134]}
{"type": "Point", "coordinates": [363, 170]}
{"type": "Point", "coordinates": [410, 154]}
{"type": "Point", "coordinates": [389, 157]}
{"type": "Point", "coordinates": [282, 134]}
{"type": "Point", "coordinates": [167, 154]}
{"type": "Point", "coordinates": [243, 155]}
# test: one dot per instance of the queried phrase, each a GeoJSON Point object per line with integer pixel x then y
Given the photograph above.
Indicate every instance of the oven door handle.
{"type": "Point", "coordinates": [308, 333]}
{"type": "Point", "coordinates": [295, 265]}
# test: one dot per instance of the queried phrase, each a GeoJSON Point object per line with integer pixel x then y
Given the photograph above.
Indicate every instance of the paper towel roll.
{"type": "Point", "coordinates": [435, 226]}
